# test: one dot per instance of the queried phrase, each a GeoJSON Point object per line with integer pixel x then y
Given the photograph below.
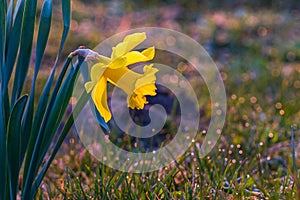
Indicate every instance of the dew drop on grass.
{"type": "Point", "coordinates": [261, 144]}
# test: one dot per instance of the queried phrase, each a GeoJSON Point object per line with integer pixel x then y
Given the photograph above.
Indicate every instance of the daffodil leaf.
{"type": "Point", "coordinates": [2, 37]}
{"type": "Point", "coordinates": [9, 19]}
{"type": "Point", "coordinates": [25, 48]}
{"type": "Point", "coordinates": [14, 143]}
{"type": "Point", "coordinates": [3, 153]}
{"type": "Point", "coordinates": [44, 28]}
{"type": "Point", "coordinates": [78, 107]}
{"type": "Point", "coordinates": [14, 41]}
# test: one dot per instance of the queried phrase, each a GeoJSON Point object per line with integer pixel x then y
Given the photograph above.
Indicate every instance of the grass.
{"type": "Point", "coordinates": [229, 172]}
{"type": "Point", "coordinates": [254, 157]}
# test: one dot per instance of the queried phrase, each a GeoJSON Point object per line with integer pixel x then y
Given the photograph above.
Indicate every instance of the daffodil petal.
{"type": "Point", "coordinates": [129, 43]}
{"type": "Point", "coordinates": [148, 89]}
{"type": "Point", "coordinates": [99, 96]}
{"type": "Point", "coordinates": [149, 52]}
{"type": "Point", "coordinates": [103, 59]}
{"type": "Point", "coordinates": [144, 85]}
{"type": "Point", "coordinates": [137, 101]}
{"type": "Point", "coordinates": [136, 56]}
{"type": "Point", "coordinates": [119, 50]}
{"type": "Point", "coordinates": [146, 80]}
{"type": "Point", "coordinates": [134, 40]}
{"type": "Point", "coordinates": [89, 86]}
{"type": "Point", "coordinates": [96, 71]}
{"type": "Point", "coordinates": [118, 63]}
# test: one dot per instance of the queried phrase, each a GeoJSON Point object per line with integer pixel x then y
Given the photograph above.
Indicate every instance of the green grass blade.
{"type": "Point", "coordinates": [3, 157]}
{"type": "Point", "coordinates": [43, 34]}
{"type": "Point", "coordinates": [13, 44]}
{"type": "Point", "coordinates": [121, 179]}
{"type": "Point", "coordinates": [111, 181]}
{"type": "Point", "coordinates": [13, 144]}
{"type": "Point", "coordinates": [25, 48]}
{"type": "Point", "coordinates": [294, 165]}
{"type": "Point", "coordinates": [78, 185]}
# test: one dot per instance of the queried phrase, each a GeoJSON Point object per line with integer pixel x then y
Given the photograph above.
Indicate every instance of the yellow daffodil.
{"type": "Point", "coordinates": [114, 69]}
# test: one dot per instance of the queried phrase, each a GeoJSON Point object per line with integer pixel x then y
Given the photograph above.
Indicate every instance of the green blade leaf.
{"type": "Point", "coordinates": [2, 36]}
{"type": "Point", "coordinates": [30, 170]}
{"type": "Point", "coordinates": [66, 12]}
{"type": "Point", "coordinates": [25, 48]}
{"type": "Point", "coordinates": [3, 171]}
{"type": "Point", "coordinates": [9, 20]}
{"type": "Point", "coordinates": [39, 119]}
{"type": "Point", "coordinates": [53, 114]}
{"type": "Point", "coordinates": [84, 97]}
{"type": "Point", "coordinates": [12, 47]}
{"type": "Point", "coordinates": [59, 107]}
{"type": "Point", "coordinates": [14, 144]}
{"type": "Point", "coordinates": [43, 34]}
{"type": "Point", "coordinates": [14, 41]}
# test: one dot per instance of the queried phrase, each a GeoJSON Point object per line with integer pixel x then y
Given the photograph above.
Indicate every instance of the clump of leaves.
{"type": "Point", "coordinates": [26, 134]}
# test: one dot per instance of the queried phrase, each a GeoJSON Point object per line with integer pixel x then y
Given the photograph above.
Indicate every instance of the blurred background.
{"type": "Point", "coordinates": [236, 24]}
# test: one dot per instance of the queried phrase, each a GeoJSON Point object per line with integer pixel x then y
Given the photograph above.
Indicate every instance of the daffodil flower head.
{"type": "Point", "coordinates": [115, 70]}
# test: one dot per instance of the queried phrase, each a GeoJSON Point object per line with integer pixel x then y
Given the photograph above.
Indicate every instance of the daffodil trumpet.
{"type": "Point", "coordinates": [114, 69]}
